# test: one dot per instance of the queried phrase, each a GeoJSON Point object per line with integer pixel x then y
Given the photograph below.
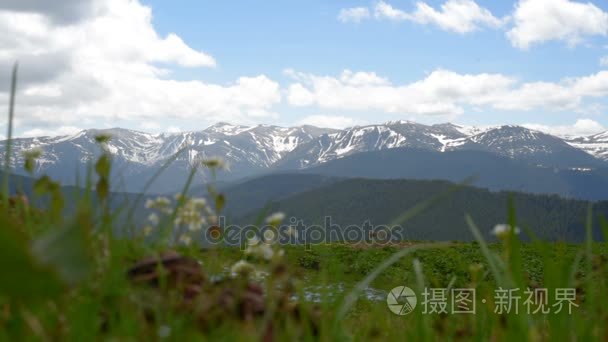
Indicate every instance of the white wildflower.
{"type": "Point", "coordinates": [195, 226]}
{"type": "Point", "coordinates": [260, 251]}
{"type": "Point", "coordinates": [163, 201]}
{"type": "Point", "coordinates": [501, 230]}
{"type": "Point", "coordinates": [275, 219]}
{"type": "Point", "coordinates": [198, 202]}
{"type": "Point", "coordinates": [270, 236]}
{"type": "Point", "coordinates": [177, 221]}
{"type": "Point", "coordinates": [242, 268]}
{"type": "Point", "coordinates": [185, 239]}
{"type": "Point", "coordinates": [260, 275]}
{"type": "Point", "coordinates": [162, 204]}
{"type": "Point", "coordinates": [266, 251]}
{"type": "Point", "coordinates": [154, 219]}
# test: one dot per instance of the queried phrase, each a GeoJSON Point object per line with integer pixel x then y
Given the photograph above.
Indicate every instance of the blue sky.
{"type": "Point", "coordinates": [533, 62]}
{"type": "Point", "coordinates": [266, 37]}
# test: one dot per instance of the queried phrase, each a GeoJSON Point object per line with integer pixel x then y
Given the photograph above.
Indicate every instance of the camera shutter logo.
{"type": "Point", "coordinates": [401, 300]}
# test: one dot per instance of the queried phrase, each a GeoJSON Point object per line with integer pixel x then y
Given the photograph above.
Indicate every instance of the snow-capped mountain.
{"type": "Point", "coordinates": [251, 150]}
{"type": "Point", "coordinates": [528, 145]}
{"type": "Point", "coordinates": [514, 142]}
{"type": "Point", "coordinates": [596, 145]}
{"type": "Point", "coordinates": [138, 155]}
{"type": "Point", "coordinates": [392, 134]}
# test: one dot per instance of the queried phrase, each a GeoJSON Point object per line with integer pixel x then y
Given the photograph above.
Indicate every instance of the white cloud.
{"type": "Point", "coordinates": [437, 94]}
{"type": "Point", "coordinates": [355, 14]}
{"type": "Point", "coordinates": [604, 61]}
{"type": "Point", "coordinates": [384, 10]}
{"type": "Point", "coordinates": [581, 127]}
{"type": "Point", "coordinates": [106, 66]}
{"type": "Point", "coordinates": [460, 16]}
{"type": "Point", "coordinates": [538, 21]}
{"type": "Point", "coordinates": [174, 129]}
{"type": "Point", "coordinates": [60, 11]}
{"type": "Point", "coordinates": [41, 132]}
{"type": "Point", "coordinates": [330, 121]}
{"type": "Point", "coordinates": [151, 127]}
{"type": "Point", "coordinates": [442, 92]}
{"type": "Point", "coordinates": [298, 95]}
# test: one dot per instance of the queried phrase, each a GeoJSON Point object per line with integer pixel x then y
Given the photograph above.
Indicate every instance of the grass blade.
{"type": "Point", "coordinates": [9, 134]}
{"type": "Point", "coordinates": [351, 298]}
{"type": "Point", "coordinates": [149, 183]}
{"type": "Point", "coordinates": [493, 263]}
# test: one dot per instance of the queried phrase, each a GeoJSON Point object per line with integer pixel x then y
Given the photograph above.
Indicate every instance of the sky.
{"type": "Point", "coordinates": [182, 65]}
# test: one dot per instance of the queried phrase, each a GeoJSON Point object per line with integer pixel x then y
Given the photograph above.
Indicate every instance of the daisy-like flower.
{"type": "Point", "coordinates": [502, 230]}
{"type": "Point", "coordinates": [196, 226]}
{"type": "Point", "coordinates": [162, 204]}
{"type": "Point", "coordinates": [153, 218]}
{"type": "Point", "coordinates": [198, 202]}
{"type": "Point", "coordinates": [275, 219]}
{"type": "Point", "coordinates": [185, 239]}
{"type": "Point", "coordinates": [242, 268]}
{"type": "Point", "coordinates": [260, 251]}
{"type": "Point", "coordinates": [189, 214]}
{"type": "Point", "coordinates": [270, 236]}
{"type": "Point", "coordinates": [163, 201]}
{"type": "Point", "coordinates": [260, 275]}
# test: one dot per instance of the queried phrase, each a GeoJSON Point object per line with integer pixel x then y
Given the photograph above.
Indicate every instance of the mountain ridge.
{"type": "Point", "coordinates": [253, 150]}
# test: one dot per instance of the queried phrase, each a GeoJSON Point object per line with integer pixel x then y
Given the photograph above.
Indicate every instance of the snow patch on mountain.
{"type": "Point", "coordinates": [261, 147]}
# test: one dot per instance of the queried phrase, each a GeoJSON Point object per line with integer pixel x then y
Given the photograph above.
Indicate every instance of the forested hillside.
{"type": "Point", "coordinates": [355, 201]}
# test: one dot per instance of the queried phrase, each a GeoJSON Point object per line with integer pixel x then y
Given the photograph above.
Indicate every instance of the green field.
{"type": "Point", "coordinates": [72, 278]}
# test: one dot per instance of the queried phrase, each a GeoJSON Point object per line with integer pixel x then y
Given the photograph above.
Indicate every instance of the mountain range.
{"type": "Point", "coordinates": [511, 157]}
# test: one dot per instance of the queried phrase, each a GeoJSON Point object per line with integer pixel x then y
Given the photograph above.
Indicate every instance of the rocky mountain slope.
{"type": "Point", "coordinates": [252, 150]}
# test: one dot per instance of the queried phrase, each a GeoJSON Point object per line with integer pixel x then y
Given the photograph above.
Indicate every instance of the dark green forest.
{"type": "Point", "coordinates": [354, 201]}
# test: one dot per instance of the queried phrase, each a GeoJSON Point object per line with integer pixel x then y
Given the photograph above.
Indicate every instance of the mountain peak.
{"type": "Point", "coordinates": [227, 128]}
{"type": "Point", "coordinates": [401, 122]}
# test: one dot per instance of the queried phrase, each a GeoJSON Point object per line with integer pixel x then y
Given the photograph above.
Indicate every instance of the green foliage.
{"type": "Point", "coordinates": [24, 278]}
{"type": "Point", "coordinates": [68, 249]}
